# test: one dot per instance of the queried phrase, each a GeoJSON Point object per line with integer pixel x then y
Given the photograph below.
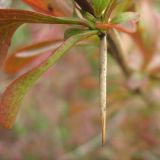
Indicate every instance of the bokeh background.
{"type": "Point", "coordinates": [60, 116]}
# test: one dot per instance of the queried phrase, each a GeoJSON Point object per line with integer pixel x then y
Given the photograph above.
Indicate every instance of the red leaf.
{"type": "Point", "coordinates": [129, 27]}
{"type": "Point", "coordinates": [14, 65]}
{"type": "Point", "coordinates": [53, 7]}
{"type": "Point", "coordinates": [26, 57]}
{"type": "Point", "coordinates": [6, 33]}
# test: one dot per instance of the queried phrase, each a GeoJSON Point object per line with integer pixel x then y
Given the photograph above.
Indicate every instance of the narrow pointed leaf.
{"type": "Point", "coordinates": [39, 48]}
{"type": "Point", "coordinates": [26, 56]}
{"type": "Point", "coordinates": [129, 27]}
{"type": "Point", "coordinates": [13, 95]}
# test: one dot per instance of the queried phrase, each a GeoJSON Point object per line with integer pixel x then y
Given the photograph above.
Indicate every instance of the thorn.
{"type": "Point", "coordinates": [103, 85]}
{"type": "Point", "coordinates": [103, 121]}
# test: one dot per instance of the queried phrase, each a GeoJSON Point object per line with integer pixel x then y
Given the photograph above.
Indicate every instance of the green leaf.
{"type": "Point", "coordinates": [13, 95]}
{"type": "Point", "coordinates": [100, 6]}
{"type": "Point", "coordinates": [11, 19]}
{"type": "Point", "coordinates": [125, 16]}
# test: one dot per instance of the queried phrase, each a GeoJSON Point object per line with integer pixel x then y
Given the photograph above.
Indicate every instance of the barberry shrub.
{"type": "Point", "coordinates": [88, 18]}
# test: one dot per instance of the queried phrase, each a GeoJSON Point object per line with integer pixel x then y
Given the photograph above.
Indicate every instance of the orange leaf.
{"type": "Point", "coordinates": [128, 28]}
{"type": "Point", "coordinates": [53, 7]}
{"type": "Point", "coordinates": [5, 37]}
{"type": "Point", "coordinates": [26, 56]}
